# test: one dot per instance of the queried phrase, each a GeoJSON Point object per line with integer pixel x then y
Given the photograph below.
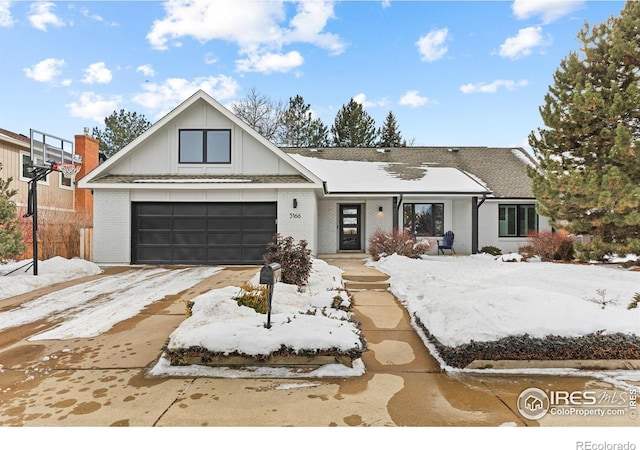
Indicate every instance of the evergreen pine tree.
{"type": "Point", "coordinates": [389, 133]}
{"type": "Point", "coordinates": [353, 127]}
{"type": "Point", "coordinates": [300, 128]}
{"type": "Point", "coordinates": [121, 127]}
{"type": "Point", "coordinates": [588, 180]}
{"type": "Point", "coordinates": [11, 242]}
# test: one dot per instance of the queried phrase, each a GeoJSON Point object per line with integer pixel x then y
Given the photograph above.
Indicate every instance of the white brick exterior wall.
{"type": "Point", "coordinates": [112, 227]}
{"type": "Point", "coordinates": [300, 222]}
{"type": "Point", "coordinates": [327, 226]}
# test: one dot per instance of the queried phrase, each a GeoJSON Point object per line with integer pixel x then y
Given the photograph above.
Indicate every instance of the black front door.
{"type": "Point", "coordinates": [350, 227]}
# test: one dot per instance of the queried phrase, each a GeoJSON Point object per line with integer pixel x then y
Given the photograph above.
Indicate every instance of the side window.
{"type": "Point", "coordinates": [517, 220]}
{"type": "Point", "coordinates": [204, 146]}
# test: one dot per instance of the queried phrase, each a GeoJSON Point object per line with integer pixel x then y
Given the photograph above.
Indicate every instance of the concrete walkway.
{"type": "Point", "coordinates": [102, 381]}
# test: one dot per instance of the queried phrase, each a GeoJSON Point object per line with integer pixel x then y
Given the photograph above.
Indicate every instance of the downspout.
{"type": "Point", "coordinates": [397, 203]}
{"type": "Point", "coordinates": [475, 205]}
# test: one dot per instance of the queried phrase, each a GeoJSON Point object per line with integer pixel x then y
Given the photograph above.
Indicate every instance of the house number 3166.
{"type": "Point", "coordinates": [295, 216]}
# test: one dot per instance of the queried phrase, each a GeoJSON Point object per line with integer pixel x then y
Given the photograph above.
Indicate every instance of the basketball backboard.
{"type": "Point", "coordinates": [47, 150]}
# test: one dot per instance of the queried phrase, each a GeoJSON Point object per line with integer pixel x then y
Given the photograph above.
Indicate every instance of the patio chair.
{"type": "Point", "coordinates": [446, 243]}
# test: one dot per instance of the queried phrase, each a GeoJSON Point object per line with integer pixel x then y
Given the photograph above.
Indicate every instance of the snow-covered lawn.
{"type": "Point", "coordinates": [483, 298]}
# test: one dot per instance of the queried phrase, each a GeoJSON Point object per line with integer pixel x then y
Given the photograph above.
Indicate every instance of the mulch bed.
{"type": "Point", "coordinates": [595, 346]}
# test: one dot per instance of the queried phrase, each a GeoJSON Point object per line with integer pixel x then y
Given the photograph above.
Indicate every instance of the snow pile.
{"type": "Point", "coordinates": [300, 321]}
{"type": "Point", "coordinates": [480, 298]}
{"type": "Point", "coordinates": [17, 277]}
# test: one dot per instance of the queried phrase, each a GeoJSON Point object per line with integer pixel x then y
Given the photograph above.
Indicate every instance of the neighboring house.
{"type": "Point", "coordinates": [202, 187]}
{"type": "Point", "coordinates": [59, 199]}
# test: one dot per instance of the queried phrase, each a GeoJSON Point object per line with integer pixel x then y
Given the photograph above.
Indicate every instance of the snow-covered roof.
{"type": "Point", "coordinates": [379, 177]}
{"type": "Point", "coordinates": [500, 170]}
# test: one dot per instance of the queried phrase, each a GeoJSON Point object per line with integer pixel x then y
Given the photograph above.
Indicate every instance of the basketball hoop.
{"type": "Point", "coordinates": [69, 170]}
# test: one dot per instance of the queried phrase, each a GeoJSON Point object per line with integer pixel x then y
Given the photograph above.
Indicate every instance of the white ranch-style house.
{"type": "Point", "coordinates": [202, 187]}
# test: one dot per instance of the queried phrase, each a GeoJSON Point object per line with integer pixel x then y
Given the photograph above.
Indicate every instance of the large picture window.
{"type": "Point", "coordinates": [424, 219]}
{"type": "Point", "coordinates": [517, 220]}
{"type": "Point", "coordinates": [205, 146]}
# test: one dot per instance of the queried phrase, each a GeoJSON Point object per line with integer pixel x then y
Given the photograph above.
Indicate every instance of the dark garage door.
{"type": "Point", "coordinates": [201, 233]}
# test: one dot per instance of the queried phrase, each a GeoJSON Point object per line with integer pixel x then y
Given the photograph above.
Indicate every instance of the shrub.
{"type": "Point", "coordinates": [491, 250]}
{"type": "Point", "coordinates": [383, 243]}
{"type": "Point", "coordinates": [253, 297]}
{"type": "Point", "coordinates": [294, 259]}
{"type": "Point", "coordinates": [550, 246]}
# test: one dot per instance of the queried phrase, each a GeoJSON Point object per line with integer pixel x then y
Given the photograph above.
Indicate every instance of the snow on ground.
{"type": "Point", "coordinates": [300, 321]}
{"type": "Point", "coordinates": [459, 299]}
{"type": "Point", "coordinates": [94, 307]}
{"type": "Point", "coordinates": [481, 298]}
{"type": "Point", "coordinates": [17, 277]}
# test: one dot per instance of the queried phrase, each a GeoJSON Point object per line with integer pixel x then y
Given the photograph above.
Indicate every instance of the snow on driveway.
{"type": "Point", "coordinates": [94, 307]}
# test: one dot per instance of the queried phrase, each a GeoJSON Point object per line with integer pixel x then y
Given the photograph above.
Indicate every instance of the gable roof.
{"type": "Point", "coordinates": [500, 171]}
{"type": "Point", "coordinates": [102, 171]}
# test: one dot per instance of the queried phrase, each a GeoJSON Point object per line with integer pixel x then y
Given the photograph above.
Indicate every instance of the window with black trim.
{"type": "Point", "coordinates": [517, 220]}
{"type": "Point", "coordinates": [424, 219]}
{"type": "Point", "coordinates": [205, 146]}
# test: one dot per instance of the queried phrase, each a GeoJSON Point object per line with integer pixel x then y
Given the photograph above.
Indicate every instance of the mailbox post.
{"type": "Point", "coordinates": [270, 275]}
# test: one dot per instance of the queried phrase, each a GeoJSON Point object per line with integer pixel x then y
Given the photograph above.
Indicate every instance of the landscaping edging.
{"type": "Point", "coordinates": [578, 364]}
{"type": "Point", "coordinates": [610, 352]}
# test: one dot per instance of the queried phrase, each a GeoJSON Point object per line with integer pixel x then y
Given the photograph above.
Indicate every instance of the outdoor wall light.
{"type": "Point", "coordinates": [379, 208]}
{"type": "Point", "coordinates": [295, 202]}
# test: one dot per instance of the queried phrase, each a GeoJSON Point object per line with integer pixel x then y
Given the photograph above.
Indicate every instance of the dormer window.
{"type": "Point", "coordinates": [205, 147]}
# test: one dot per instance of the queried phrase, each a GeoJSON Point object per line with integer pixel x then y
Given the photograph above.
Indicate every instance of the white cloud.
{"type": "Point", "coordinates": [414, 99]}
{"type": "Point", "coordinates": [6, 20]}
{"type": "Point", "coordinates": [41, 16]}
{"type": "Point", "coordinates": [523, 43]}
{"type": "Point", "coordinates": [209, 58]}
{"type": "Point", "coordinates": [432, 46]}
{"type": "Point", "coordinates": [483, 88]}
{"type": "Point", "coordinates": [97, 73]}
{"type": "Point", "coordinates": [362, 99]}
{"type": "Point", "coordinates": [146, 70]}
{"type": "Point", "coordinates": [93, 106]}
{"type": "Point", "coordinates": [549, 10]}
{"type": "Point", "coordinates": [46, 70]}
{"type": "Point", "coordinates": [270, 62]}
{"type": "Point", "coordinates": [162, 98]}
{"type": "Point", "coordinates": [258, 28]}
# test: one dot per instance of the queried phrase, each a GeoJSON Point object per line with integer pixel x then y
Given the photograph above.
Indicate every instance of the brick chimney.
{"type": "Point", "coordinates": [88, 148]}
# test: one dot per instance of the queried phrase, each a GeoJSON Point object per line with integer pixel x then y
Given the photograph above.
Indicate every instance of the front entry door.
{"type": "Point", "coordinates": [350, 227]}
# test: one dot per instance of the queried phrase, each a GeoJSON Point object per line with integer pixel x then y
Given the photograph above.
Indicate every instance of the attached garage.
{"type": "Point", "coordinates": [201, 232]}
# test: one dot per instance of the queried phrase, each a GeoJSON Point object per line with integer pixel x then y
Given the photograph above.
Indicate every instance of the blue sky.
{"type": "Point", "coordinates": [454, 73]}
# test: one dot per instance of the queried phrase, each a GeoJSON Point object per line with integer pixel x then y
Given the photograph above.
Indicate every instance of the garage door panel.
{"type": "Point", "coordinates": [225, 238]}
{"type": "Point", "coordinates": [259, 209]}
{"type": "Point", "coordinates": [190, 209]}
{"type": "Point", "coordinates": [224, 209]}
{"type": "Point", "coordinates": [182, 238]}
{"type": "Point", "coordinates": [155, 238]}
{"type": "Point", "coordinates": [253, 223]}
{"type": "Point", "coordinates": [154, 255]}
{"type": "Point", "coordinates": [154, 209]}
{"type": "Point", "coordinates": [187, 254]}
{"type": "Point", "coordinates": [154, 223]}
{"type": "Point", "coordinates": [190, 223]}
{"type": "Point", "coordinates": [224, 223]}
{"type": "Point", "coordinates": [249, 238]}
{"type": "Point", "coordinates": [202, 233]}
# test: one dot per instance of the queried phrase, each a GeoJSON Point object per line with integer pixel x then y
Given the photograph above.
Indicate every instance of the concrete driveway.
{"type": "Point", "coordinates": [102, 381]}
